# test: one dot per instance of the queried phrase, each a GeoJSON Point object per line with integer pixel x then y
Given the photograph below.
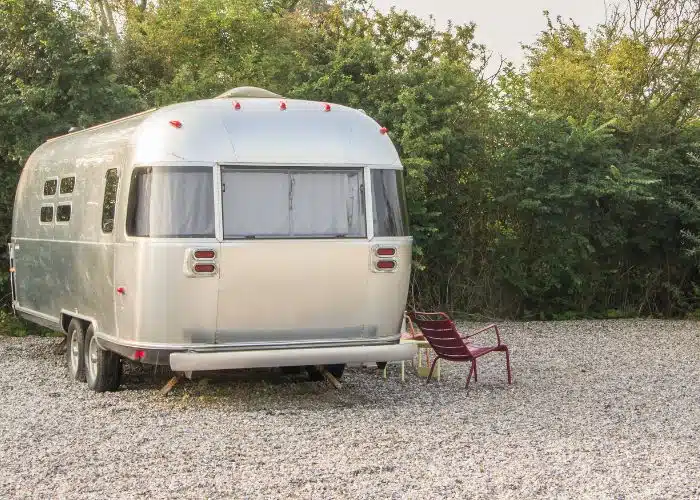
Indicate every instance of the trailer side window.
{"type": "Point", "coordinates": [46, 213]}
{"type": "Point", "coordinates": [63, 212]}
{"type": "Point", "coordinates": [171, 202]}
{"type": "Point", "coordinates": [67, 185]}
{"type": "Point", "coordinates": [110, 200]}
{"type": "Point", "coordinates": [50, 187]}
{"type": "Point", "coordinates": [389, 203]}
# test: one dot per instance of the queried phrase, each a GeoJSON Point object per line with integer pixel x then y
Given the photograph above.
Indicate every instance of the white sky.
{"type": "Point", "coordinates": [502, 24]}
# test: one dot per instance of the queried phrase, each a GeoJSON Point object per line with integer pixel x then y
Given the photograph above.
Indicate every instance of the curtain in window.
{"type": "Point", "coordinates": [288, 203]}
{"type": "Point", "coordinates": [255, 203]}
{"type": "Point", "coordinates": [326, 204]}
{"type": "Point", "coordinates": [174, 202]}
{"type": "Point", "coordinates": [141, 186]}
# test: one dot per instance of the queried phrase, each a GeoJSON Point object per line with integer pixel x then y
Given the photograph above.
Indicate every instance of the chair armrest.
{"type": "Point", "coordinates": [493, 325]}
{"type": "Point", "coordinates": [411, 330]}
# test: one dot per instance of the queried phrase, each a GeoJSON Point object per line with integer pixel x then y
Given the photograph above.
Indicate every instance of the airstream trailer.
{"type": "Point", "coordinates": [235, 232]}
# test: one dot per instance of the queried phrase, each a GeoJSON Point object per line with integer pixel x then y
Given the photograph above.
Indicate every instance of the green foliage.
{"type": "Point", "coordinates": [56, 73]}
{"type": "Point", "coordinates": [564, 189]}
{"type": "Point", "coordinates": [12, 326]}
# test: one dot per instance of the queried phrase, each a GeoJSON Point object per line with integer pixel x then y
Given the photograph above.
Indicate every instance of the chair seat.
{"type": "Point", "coordinates": [481, 350]}
{"type": "Point", "coordinates": [475, 352]}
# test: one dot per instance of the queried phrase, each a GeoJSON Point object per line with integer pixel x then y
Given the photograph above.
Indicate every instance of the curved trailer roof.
{"type": "Point", "coordinates": [236, 128]}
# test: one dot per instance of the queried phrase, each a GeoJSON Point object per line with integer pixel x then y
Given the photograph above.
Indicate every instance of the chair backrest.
{"type": "Point", "coordinates": [442, 335]}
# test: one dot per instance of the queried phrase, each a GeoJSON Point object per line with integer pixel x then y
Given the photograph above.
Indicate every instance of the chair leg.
{"type": "Point", "coordinates": [432, 367]}
{"type": "Point", "coordinates": [476, 379]}
{"type": "Point", "coordinates": [510, 376]}
{"type": "Point", "coordinates": [469, 377]}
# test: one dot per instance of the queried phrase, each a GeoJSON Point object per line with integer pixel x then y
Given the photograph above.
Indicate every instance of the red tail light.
{"type": "Point", "coordinates": [386, 264]}
{"type": "Point", "coordinates": [176, 123]}
{"type": "Point", "coordinates": [204, 268]}
{"type": "Point", "coordinates": [204, 254]}
{"type": "Point", "coordinates": [386, 252]}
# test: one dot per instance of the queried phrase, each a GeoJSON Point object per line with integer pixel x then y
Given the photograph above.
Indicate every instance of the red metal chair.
{"type": "Point", "coordinates": [442, 335]}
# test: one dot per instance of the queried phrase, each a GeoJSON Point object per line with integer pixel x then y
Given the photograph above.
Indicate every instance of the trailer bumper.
{"type": "Point", "coordinates": [229, 360]}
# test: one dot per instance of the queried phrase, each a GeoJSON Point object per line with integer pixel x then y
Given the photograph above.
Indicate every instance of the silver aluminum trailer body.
{"type": "Point", "coordinates": [226, 227]}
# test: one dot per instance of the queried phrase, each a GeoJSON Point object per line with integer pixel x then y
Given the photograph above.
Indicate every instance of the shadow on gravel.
{"type": "Point", "coordinates": [273, 390]}
{"type": "Point", "coordinates": [270, 389]}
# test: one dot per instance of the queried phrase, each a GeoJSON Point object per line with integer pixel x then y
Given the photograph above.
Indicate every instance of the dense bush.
{"type": "Point", "coordinates": [566, 188]}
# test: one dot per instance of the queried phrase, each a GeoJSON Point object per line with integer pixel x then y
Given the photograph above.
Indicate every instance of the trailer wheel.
{"type": "Point", "coordinates": [103, 369]}
{"type": "Point", "coordinates": [75, 351]}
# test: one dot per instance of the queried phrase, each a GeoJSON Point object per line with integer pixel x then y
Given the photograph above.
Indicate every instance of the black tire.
{"type": "Point", "coordinates": [104, 371]}
{"type": "Point", "coordinates": [75, 350]}
{"type": "Point", "coordinates": [381, 364]}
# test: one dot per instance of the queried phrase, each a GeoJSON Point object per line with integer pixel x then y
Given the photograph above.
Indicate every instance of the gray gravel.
{"type": "Point", "coordinates": [599, 409]}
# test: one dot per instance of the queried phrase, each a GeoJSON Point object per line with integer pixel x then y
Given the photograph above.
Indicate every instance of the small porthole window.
{"type": "Point", "coordinates": [67, 185]}
{"type": "Point", "coordinates": [50, 187]}
{"type": "Point", "coordinates": [63, 213]}
{"type": "Point", "coordinates": [47, 213]}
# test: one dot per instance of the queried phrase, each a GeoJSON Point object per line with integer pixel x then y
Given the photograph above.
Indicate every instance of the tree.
{"type": "Point", "coordinates": [567, 187]}
{"type": "Point", "coordinates": [57, 73]}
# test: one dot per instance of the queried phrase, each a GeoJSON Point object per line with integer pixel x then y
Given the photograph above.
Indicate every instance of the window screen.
{"type": "Point", "coordinates": [67, 185]}
{"type": "Point", "coordinates": [50, 187]}
{"type": "Point", "coordinates": [63, 213]}
{"type": "Point", "coordinates": [255, 203]}
{"type": "Point", "coordinates": [389, 203]}
{"type": "Point", "coordinates": [171, 202]}
{"type": "Point", "coordinates": [110, 200]}
{"type": "Point", "coordinates": [293, 203]}
{"type": "Point", "coordinates": [46, 213]}
{"type": "Point", "coordinates": [327, 203]}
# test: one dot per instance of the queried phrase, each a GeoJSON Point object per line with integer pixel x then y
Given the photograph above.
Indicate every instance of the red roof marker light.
{"type": "Point", "coordinates": [176, 123]}
{"type": "Point", "coordinates": [236, 105]}
{"type": "Point", "coordinates": [383, 130]}
{"type": "Point", "coordinates": [283, 105]}
{"type": "Point", "coordinates": [327, 107]}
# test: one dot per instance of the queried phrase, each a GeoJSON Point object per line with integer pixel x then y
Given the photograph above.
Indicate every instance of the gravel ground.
{"type": "Point", "coordinates": [599, 409]}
